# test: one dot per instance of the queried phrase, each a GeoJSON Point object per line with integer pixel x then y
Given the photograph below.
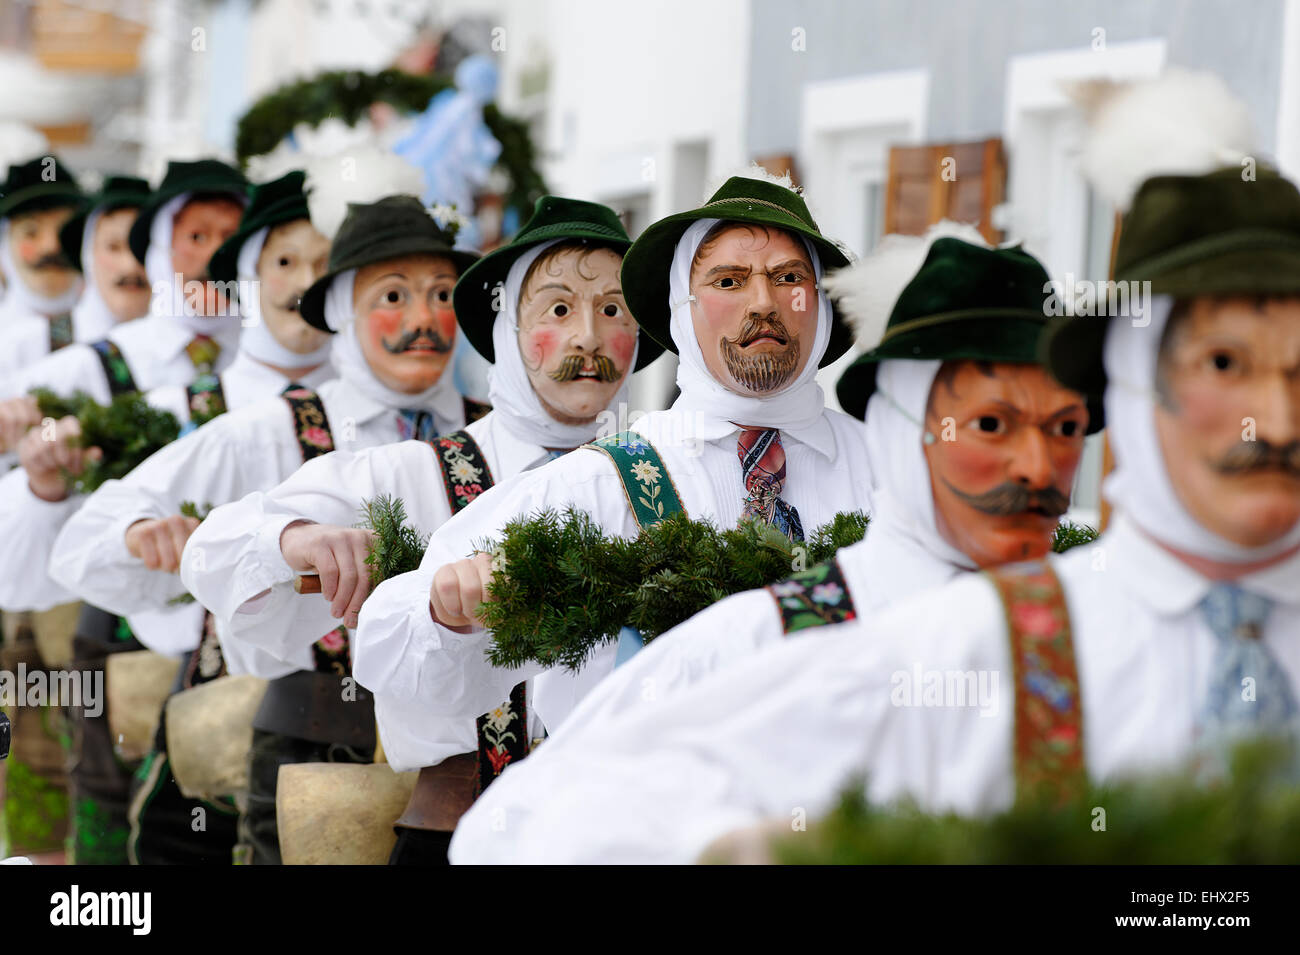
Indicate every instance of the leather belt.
{"type": "Point", "coordinates": [443, 794]}
{"type": "Point", "coordinates": [311, 706]}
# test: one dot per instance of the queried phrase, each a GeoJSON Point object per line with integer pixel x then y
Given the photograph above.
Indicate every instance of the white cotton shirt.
{"type": "Point", "coordinates": [247, 449]}
{"type": "Point", "coordinates": [154, 349]}
{"type": "Point", "coordinates": [400, 651]}
{"type": "Point", "coordinates": [244, 578]}
{"type": "Point", "coordinates": [26, 582]}
{"type": "Point", "coordinates": [794, 725]}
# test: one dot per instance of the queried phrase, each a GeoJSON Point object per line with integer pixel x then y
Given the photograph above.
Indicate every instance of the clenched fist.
{"type": "Point", "coordinates": [16, 416]}
{"type": "Point", "coordinates": [49, 462]}
{"type": "Point", "coordinates": [457, 591]}
{"type": "Point", "coordinates": [338, 556]}
{"type": "Point", "coordinates": [159, 542]}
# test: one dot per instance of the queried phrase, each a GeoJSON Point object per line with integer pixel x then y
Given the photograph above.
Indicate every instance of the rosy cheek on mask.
{"type": "Point", "coordinates": [27, 250]}
{"type": "Point", "coordinates": [538, 346]}
{"type": "Point", "coordinates": [970, 468]}
{"type": "Point", "coordinates": [385, 325]}
{"type": "Point", "coordinates": [619, 346]}
{"type": "Point", "coordinates": [444, 320]}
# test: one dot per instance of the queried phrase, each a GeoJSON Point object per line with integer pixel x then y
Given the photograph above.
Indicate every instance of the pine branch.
{"type": "Point", "coordinates": [1251, 817]}
{"type": "Point", "coordinates": [562, 588]}
{"type": "Point", "coordinates": [127, 431]}
{"type": "Point", "coordinates": [397, 547]}
{"type": "Point", "coordinates": [1070, 534]}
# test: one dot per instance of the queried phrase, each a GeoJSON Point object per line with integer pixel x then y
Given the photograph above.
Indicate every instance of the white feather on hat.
{"type": "Point", "coordinates": [866, 291]}
{"type": "Point", "coordinates": [18, 144]}
{"type": "Point", "coordinates": [1181, 122]}
{"type": "Point", "coordinates": [362, 174]}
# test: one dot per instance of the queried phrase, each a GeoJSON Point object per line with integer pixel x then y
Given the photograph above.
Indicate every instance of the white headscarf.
{"type": "Point", "coordinates": [1139, 485]}
{"type": "Point", "coordinates": [509, 390]}
{"type": "Point", "coordinates": [257, 340]}
{"type": "Point", "coordinates": [796, 408]}
{"type": "Point", "coordinates": [340, 315]}
{"type": "Point", "coordinates": [18, 293]}
{"type": "Point", "coordinates": [91, 317]}
{"type": "Point", "coordinates": [162, 272]}
{"type": "Point", "coordinates": [904, 497]}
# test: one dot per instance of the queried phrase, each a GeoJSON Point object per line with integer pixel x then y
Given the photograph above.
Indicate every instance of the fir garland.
{"type": "Point", "coordinates": [347, 94]}
{"type": "Point", "coordinates": [1251, 817]}
{"type": "Point", "coordinates": [127, 431]}
{"type": "Point", "coordinates": [1070, 534]}
{"type": "Point", "coordinates": [568, 588]}
{"type": "Point", "coordinates": [397, 547]}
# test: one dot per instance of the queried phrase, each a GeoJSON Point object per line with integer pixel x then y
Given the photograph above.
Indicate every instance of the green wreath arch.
{"type": "Point", "coordinates": [347, 94]}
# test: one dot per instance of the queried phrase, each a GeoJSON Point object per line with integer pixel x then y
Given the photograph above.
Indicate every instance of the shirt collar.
{"type": "Point", "coordinates": [1169, 586]}
{"type": "Point", "coordinates": [820, 436]}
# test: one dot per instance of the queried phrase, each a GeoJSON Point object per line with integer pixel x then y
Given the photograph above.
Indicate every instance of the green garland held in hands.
{"type": "Point", "coordinates": [127, 430]}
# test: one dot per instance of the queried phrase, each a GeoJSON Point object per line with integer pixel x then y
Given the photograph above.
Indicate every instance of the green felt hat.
{"type": "Point", "coordinates": [967, 302]}
{"type": "Point", "coordinates": [375, 232]}
{"type": "Point", "coordinates": [117, 192]}
{"type": "Point", "coordinates": [203, 175]}
{"type": "Point", "coordinates": [1214, 234]}
{"type": "Point", "coordinates": [740, 199]}
{"type": "Point", "coordinates": [270, 204]}
{"type": "Point", "coordinates": [553, 218]}
{"type": "Point", "coordinates": [40, 183]}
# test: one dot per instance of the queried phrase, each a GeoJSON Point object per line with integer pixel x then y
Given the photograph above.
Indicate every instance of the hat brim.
{"type": "Point", "coordinates": [1072, 347]}
{"type": "Point", "coordinates": [475, 292]}
{"type": "Point", "coordinates": [313, 300]}
{"type": "Point", "coordinates": [646, 267]}
{"type": "Point", "coordinates": [138, 238]}
{"type": "Point", "coordinates": [38, 198]}
{"type": "Point", "coordinates": [996, 335]}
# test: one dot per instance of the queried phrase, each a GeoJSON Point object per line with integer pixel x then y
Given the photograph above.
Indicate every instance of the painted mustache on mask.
{"type": "Point", "coordinates": [574, 365]}
{"type": "Point", "coordinates": [1011, 498]}
{"type": "Point", "coordinates": [1249, 457]}
{"type": "Point", "coordinates": [405, 341]}
{"type": "Point", "coordinates": [132, 280]}
{"type": "Point", "coordinates": [52, 260]}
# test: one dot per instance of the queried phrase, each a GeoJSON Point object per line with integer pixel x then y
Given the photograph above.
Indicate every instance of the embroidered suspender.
{"type": "Point", "coordinates": [813, 598]}
{"type": "Point", "coordinates": [502, 733]}
{"type": "Point", "coordinates": [1048, 735]}
{"type": "Point", "coordinates": [207, 400]}
{"type": "Point", "coordinates": [465, 472]}
{"type": "Point", "coordinates": [116, 370]}
{"type": "Point", "coordinates": [647, 485]}
{"type": "Point", "coordinates": [310, 424]}
{"type": "Point", "coordinates": [60, 331]}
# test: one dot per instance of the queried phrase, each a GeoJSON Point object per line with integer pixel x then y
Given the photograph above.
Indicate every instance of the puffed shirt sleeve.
{"type": "Point", "coordinates": [778, 736]}
{"type": "Point", "coordinates": [31, 523]}
{"type": "Point", "coordinates": [402, 652]}
{"type": "Point", "coordinates": [219, 462]}
{"type": "Point", "coordinates": [234, 566]}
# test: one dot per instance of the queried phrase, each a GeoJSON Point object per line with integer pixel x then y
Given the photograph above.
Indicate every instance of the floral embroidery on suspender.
{"type": "Point", "coordinates": [465, 472]}
{"type": "Point", "coordinates": [310, 424]}
{"type": "Point", "coordinates": [502, 737]}
{"type": "Point", "coordinates": [332, 653]}
{"type": "Point", "coordinates": [1048, 743]}
{"type": "Point", "coordinates": [207, 400]}
{"type": "Point", "coordinates": [813, 598]}
{"type": "Point", "coordinates": [647, 485]}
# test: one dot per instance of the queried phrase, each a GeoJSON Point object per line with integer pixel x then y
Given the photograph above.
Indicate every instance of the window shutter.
{"type": "Point", "coordinates": [959, 181]}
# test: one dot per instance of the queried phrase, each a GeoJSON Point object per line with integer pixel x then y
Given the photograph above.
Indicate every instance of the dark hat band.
{"type": "Point", "coordinates": [763, 202]}
{"type": "Point", "coordinates": [943, 318]}
{"type": "Point", "coordinates": [1200, 249]}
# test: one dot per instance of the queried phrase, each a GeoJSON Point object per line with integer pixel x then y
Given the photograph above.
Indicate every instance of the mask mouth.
{"type": "Point", "coordinates": [772, 331]}
{"type": "Point", "coordinates": [596, 368]}
{"type": "Point", "coordinates": [293, 305]}
{"type": "Point", "coordinates": [418, 341]}
{"type": "Point", "coordinates": [53, 262]}
{"type": "Point", "coordinates": [131, 281]}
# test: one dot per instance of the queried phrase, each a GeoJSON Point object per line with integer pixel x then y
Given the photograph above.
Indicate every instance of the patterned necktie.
{"type": "Point", "coordinates": [203, 352]}
{"type": "Point", "coordinates": [418, 424]}
{"type": "Point", "coordinates": [762, 462]}
{"type": "Point", "coordinates": [60, 331]}
{"type": "Point", "coordinates": [1248, 690]}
